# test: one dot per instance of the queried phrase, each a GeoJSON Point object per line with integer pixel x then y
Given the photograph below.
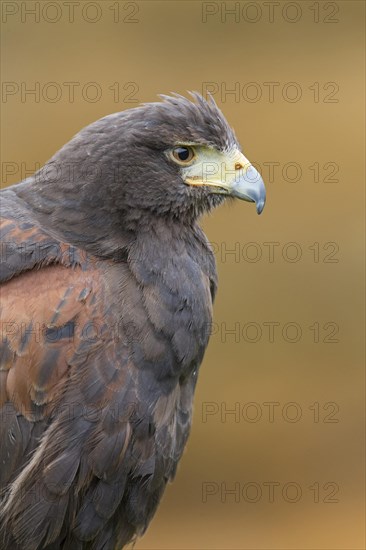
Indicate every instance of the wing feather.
{"type": "Point", "coordinates": [90, 436]}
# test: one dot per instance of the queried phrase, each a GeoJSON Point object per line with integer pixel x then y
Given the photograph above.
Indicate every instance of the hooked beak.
{"type": "Point", "coordinates": [250, 187]}
{"type": "Point", "coordinates": [231, 175]}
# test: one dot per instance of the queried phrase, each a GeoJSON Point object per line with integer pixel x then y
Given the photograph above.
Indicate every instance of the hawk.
{"type": "Point", "coordinates": [107, 286]}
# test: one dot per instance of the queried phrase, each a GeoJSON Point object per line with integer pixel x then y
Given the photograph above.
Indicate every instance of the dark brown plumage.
{"type": "Point", "coordinates": [106, 306]}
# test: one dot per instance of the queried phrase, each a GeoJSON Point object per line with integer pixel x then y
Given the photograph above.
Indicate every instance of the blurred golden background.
{"type": "Point", "coordinates": [285, 469]}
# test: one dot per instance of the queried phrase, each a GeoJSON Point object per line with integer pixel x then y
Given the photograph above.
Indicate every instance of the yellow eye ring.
{"type": "Point", "coordinates": [183, 154]}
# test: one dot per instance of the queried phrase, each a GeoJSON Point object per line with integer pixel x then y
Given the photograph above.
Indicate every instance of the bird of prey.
{"type": "Point", "coordinates": [107, 285]}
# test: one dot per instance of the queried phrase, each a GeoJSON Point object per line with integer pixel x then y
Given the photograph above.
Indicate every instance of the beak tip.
{"type": "Point", "coordinates": [260, 206]}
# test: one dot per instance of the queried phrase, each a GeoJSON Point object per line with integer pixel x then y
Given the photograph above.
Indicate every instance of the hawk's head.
{"type": "Point", "coordinates": [175, 159]}
{"type": "Point", "coordinates": [187, 155]}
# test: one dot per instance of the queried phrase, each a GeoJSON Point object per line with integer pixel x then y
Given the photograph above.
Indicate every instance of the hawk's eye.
{"type": "Point", "coordinates": [183, 155]}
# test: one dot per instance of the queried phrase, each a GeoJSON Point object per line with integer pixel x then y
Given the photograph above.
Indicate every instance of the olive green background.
{"type": "Point", "coordinates": [168, 48]}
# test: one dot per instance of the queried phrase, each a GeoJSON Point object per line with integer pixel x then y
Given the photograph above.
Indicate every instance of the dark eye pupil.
{"type": "Point", "coordinates": [182, 153]}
